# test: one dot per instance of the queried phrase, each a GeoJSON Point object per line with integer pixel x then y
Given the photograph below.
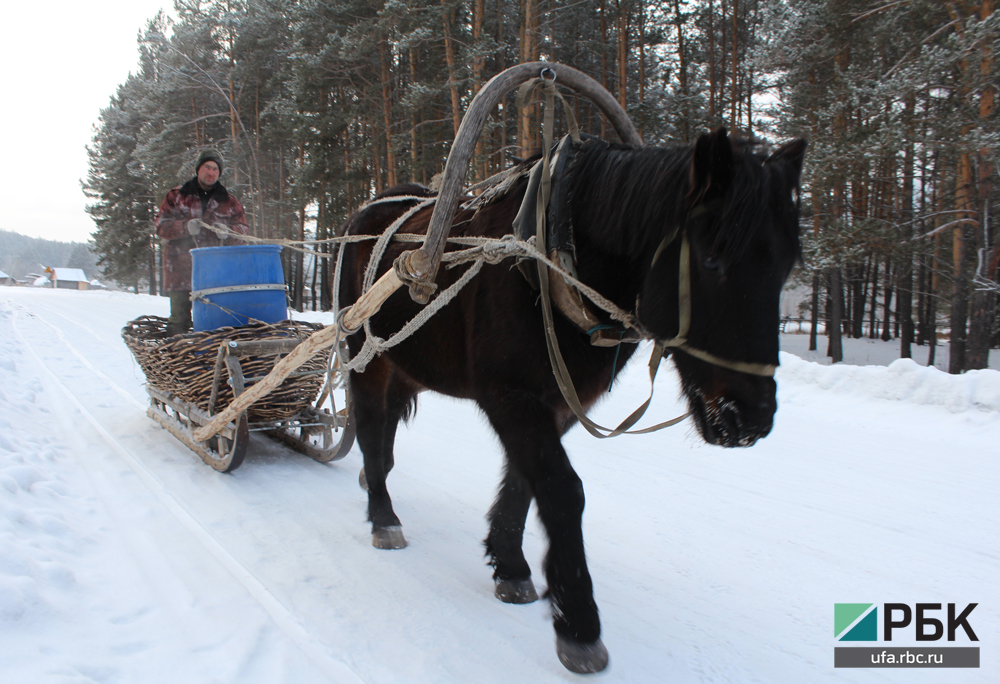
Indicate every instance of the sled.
{"type": "Point", "coordinates": [221, 364]}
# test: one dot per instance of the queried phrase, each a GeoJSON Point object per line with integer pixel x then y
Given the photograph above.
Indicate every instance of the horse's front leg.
{"type": "Point", "coordinates": [378, 408]}
{"type": "Point", "coordinates": [511, 573]}
{"type": "Point", "coordinates": [530, 435]}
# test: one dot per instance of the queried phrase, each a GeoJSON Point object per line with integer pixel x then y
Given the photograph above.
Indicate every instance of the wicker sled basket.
{"type": "Point", "coordinates": [183, 364]}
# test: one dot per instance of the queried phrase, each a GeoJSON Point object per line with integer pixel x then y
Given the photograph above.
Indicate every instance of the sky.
{"type": "Point", "coordinates": [61, 68]}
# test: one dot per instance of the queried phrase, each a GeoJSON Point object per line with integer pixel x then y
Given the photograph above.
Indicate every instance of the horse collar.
{"type": "Point", "coordinates": [560, 247]}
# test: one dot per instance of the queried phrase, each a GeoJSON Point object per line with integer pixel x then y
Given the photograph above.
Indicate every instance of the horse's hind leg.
{"type": "Point", "coordinates": [530, 436]}
{"type": "Point", "coordinates": [380, 401]}
{"type": "Point", "coordinates": [511, 574]}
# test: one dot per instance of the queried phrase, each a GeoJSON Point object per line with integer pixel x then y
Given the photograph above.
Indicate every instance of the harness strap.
{"type": "Point", "coordinates": [200, 294]}
{"type": "Point", "coordinates": [559, 369]}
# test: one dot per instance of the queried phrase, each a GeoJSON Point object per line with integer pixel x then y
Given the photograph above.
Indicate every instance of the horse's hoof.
{"type": "Point", "coordinates": [388, 538]}
{"type": "Point", "coordinates": [362, 480]}
{"type": "Point", "coordinates": [581, 658]}
{"type": "Point", "coordinates": [516, 591]}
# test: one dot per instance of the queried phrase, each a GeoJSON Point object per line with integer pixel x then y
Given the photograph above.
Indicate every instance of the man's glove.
{"type": "Point", "coordinates": [194, 226]}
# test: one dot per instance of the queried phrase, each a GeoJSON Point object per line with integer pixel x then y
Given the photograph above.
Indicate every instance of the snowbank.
{"type": "Point", "coordinates": [902, 380]}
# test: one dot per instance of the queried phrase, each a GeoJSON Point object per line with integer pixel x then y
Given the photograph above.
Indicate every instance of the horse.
{"type": "Point", "coordinates": [738, 210]}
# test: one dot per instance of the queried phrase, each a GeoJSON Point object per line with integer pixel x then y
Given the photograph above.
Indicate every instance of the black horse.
{"type": "Point", "coordinates": [739, 211]}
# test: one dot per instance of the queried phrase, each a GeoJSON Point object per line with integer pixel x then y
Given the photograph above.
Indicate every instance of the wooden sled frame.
{"type": "Point", "coordinates": [226, 450]}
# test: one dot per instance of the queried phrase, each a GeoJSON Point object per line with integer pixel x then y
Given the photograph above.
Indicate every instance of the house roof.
{"type": "Point", "coordinates": [68, 274]}
{"type": "Point", "coordinates": [3, 275]}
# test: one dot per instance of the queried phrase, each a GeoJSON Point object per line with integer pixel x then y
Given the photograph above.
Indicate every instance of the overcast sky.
{"type": "Point", "coordinates": [62, 62]}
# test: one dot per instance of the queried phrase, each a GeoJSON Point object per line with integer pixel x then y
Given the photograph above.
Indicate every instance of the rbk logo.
{"type": "Point", "coordinates": [859, 621]}
{"type": "Point", "coordinates": [846, 614]}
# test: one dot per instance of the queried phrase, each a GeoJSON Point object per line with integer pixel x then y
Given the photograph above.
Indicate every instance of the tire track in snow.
{"type": "Point", "coordinates": [118, 389]}
{"type": "Point", "coordinates": [337, 670]}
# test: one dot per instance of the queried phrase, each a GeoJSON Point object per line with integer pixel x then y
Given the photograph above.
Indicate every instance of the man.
{"type": "Point", "coordinates": [203, 199]}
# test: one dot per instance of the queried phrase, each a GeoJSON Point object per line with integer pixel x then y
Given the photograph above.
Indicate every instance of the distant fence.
{"type": "Point", "coordinates": [804, 325]}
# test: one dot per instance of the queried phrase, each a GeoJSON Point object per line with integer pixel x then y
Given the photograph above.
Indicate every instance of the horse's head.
{"type": "Point", "coordinates": [732, 253]}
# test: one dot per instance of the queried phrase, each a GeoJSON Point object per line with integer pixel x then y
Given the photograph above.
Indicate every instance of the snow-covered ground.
{"type": "Point", "coordinates": [123, 558]}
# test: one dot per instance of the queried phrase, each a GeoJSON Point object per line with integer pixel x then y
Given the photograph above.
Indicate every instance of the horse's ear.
{"type": "Point", "coordinates": [791, 156]}
{"type": "Point", "coordinates": [712, 166]}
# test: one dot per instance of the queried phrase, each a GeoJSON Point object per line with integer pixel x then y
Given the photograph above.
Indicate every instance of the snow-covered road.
{"type": "Point", "coordinates": [123, 558]}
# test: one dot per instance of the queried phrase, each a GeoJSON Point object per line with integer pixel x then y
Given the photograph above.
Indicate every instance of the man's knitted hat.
{"type": "Point", "coordinates": [209, 155]}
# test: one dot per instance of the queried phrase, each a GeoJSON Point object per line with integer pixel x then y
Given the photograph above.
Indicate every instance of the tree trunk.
{"type": "Point", "coordinates": [859, 299]}
{"type": "Point", "coordinates": [922, 285]}
{"type": "Point", "coordinates": [641, 30]}
{"type": "Point", "coordinates": [479, 163]}
{"type": "Point", "coordinates": [234, 133]}
{"type": "Point", "coordinates": [682, 74]}
{"type": "Point", "coordinates": [887, 305]}
{"type": "Point", "coordinates": [414, 122]}
{"type": "Point", "coordinates": [528, 49]}
{"type": "Point", "coordinates": [622, 52]}
{"type": "Point", "coordinates": [390, 157]}
{"type": "Point", "coordinates": [299, 284]}
{"type": "Point", "coordinates": [932, 331]}
{"type": "Point", "coordinates": [603, 11]}
{"type": "Point", "coordinates": [501, 66]}
{"type": "Point", "coordinates": [935, 277]}
{"type": "Point", "coordinates": [734, 122]}
{"type": "Point", "coordinates": [376, 159]}
{"type": "Point", "coordinates": [152, 265]}
{"type": "Point", "coordinates": [713, 85]}
{"type": "Point", "coordinates": [960, 298]}
{"type": "Point", "coordinates": [873, 326]}
{"type": "Point", "coordinates": [449, 55]}
{"type": "Point", "coordinates": [983, 301]}
{"type": "Point", "coordinates": [904, 298]}
{"type": "Point", "coordinates": [834, 329]}
{"type": "Point", "coordinates": [814, 312]}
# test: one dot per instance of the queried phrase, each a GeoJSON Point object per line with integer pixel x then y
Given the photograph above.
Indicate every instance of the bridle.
{"type": "Point", "coordinates": [680, 340]}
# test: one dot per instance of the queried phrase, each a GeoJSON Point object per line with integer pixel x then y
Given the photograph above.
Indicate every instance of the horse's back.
{"type": "Point", "coordinates": [450, 352]}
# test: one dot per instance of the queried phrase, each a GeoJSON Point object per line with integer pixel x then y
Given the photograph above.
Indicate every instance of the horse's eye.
{"type": "Point", "coordinates": [712, 265]}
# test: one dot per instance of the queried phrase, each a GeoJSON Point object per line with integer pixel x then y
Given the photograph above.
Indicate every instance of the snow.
{"type": "Point", "coordinates": [123, 558]}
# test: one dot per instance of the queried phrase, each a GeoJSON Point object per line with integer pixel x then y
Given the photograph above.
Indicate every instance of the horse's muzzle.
{"type": "Point", "coordinates": [731, 409]}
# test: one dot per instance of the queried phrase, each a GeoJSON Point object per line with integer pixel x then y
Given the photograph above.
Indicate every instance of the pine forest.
{"type": "Point", "coordinates": [316, 105]}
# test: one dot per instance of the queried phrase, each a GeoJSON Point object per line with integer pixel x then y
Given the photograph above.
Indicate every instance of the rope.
{"type": "Point", "coordinates": [479, 251]}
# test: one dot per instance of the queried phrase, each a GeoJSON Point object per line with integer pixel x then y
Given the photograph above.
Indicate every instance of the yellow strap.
{"type": "Point", "coordinates": [684, 324]}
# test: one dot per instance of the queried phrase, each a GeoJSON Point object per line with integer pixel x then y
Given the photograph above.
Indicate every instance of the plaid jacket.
{"type": "Point", "coordinates": [180, 206]}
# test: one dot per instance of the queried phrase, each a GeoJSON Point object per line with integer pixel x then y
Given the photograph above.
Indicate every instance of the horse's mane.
{"type": "Point", "coordinates": [636, 196]}
{"type": "Point", "coordinates": [632, 196]}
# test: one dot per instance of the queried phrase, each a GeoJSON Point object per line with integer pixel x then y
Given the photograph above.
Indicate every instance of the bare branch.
{"type": "Point", "coordinates": [970, 221]}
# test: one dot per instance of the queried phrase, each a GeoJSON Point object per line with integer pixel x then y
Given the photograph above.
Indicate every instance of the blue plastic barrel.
{"type": "Point", "coordinates": [237, 285]}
